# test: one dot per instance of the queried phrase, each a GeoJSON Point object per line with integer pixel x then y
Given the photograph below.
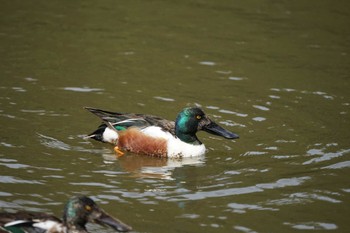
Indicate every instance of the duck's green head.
{"type": "Point", "coordinates": [191, 120]}
{"type": "Point", "coordinates": [81, 209]}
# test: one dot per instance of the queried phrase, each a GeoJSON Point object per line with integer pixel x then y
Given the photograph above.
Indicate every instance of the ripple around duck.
{"type": "Point", "coordinates": [54, 143]}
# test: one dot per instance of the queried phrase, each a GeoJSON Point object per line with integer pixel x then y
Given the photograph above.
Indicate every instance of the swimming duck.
{"type": "Point", "coordinates": [78, 211]}
{"type": "Point", "coordinates": [155, 136]}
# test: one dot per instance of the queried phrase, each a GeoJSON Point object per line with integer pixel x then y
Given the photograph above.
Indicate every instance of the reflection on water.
{"type": "Point", "coordinates": [146, 167]}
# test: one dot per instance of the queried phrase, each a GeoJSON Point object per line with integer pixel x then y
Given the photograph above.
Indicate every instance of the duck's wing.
{"type": "Point", "coordinates": [29, 222]}
{"type": "Point", "coordinates": [164, 124]}
{"type": "Point", "coordinates": [125, 120]}
{"type": "Point", "coordinates": [118, 119]}
{"type": "Point", "coordinates": [112, 117]}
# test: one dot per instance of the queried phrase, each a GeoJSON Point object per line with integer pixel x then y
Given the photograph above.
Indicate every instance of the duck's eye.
{"type": "Point", "coordinates": [88, 208]}
{"type": "Point", "coordinates": [199, 117]}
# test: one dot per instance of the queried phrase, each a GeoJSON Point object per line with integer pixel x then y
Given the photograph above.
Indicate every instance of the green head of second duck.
{"type": "Point", "coordinates": [191, 120]}
{"type": "Point", "coordinates": [81, 209]}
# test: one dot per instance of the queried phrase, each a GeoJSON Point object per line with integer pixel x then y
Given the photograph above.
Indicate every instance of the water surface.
{"type": "Point", "coordinates": [276, 73]}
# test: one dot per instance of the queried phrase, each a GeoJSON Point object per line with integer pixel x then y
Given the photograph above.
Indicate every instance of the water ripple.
{"type": "Point", "coordinates": [318, 93]}
{"type": "Point", "coordinates": [236, 78]}
{"type": "Point", "coordinates": [294, 181]}
{"type": "Point", "coordinates": [340, 165]}
{"type": "Point", "coordinates": [250, 153]}
{"type": "Point", "coordinates": [42, 112]}
{"type": "Point", "coordinates": [54, 143]}
{"type": "Point", "coordinates": [14, 165]}
{"type": "Point", "coordinates": [164, 99]}
{"type": "Point", "coordinates": [5, 194]}
{"type": "Point", "coordinates": [327, 156]}
{"type": "Point", "coordinates": [233, 112]}
{"type": "Point", "coordinates": [312, 226]}
{"type": "Point", "coordinates": [13, 180]}
{"type": "Point", "coordinates": [93, 184]}
{"type": "Point", "coordinates": [244, 229]}
{"type": "Point", "coordinates": [7, 144]}
{"type": "Point", "coordinates": [259, 119]}
{"type": "Point", "coordinates": [19, 89]}
{"type": "Point", "coordinates": [82, 89]}
{"type": "Point", "coordinates": [241, 208]}
{"type": "Point", "coordinates": [207, 63]}
{"type": "Point", "coordinates": [281, 183]}
{"type": "Point", "coordinates": [260, 107]}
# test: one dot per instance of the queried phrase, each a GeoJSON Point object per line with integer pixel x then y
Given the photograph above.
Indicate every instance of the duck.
{"type": "Point", "coordinates": [155, 136]}
{"type": "Point", "coordinates": [78, 211]}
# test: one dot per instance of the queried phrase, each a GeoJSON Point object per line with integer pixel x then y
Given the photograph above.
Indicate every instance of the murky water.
{"type": "Point", "coordinates": [276, 73]}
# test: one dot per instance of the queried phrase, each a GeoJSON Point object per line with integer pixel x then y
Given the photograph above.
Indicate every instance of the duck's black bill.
{"type": "Point", "coordinates": [215, 129]}
{"type": "Point", "coordinates": [113, 223]}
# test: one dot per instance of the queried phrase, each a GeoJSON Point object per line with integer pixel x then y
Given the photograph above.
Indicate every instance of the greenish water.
{"type": "Point", "coordinates": [275, 72]}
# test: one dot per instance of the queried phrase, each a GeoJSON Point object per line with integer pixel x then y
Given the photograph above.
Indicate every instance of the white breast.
{"type": "Point", "coordinates": [110, 135]}
{"type": "Point", "coordinates": [176, 147]}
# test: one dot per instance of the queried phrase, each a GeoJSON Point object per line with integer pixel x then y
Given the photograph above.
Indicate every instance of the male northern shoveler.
{"type": "Point", "coordinates": [77, 212]}
{"type": "Point", "coordinates": [152, 135]}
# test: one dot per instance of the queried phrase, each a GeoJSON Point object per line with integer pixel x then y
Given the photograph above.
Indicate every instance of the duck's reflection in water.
{"type": "Point", "coordinates": [151, 167]}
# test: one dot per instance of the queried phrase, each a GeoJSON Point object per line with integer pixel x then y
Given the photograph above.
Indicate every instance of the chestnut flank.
{"type": "Point", "coordinates": [135, 141]}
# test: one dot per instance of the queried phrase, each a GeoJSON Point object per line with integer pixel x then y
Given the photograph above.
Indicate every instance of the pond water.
{"type": "Point", "coordinates": [274, 72]}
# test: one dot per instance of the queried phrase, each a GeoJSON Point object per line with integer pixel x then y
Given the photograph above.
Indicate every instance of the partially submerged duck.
{"type": "Point", "coordinates": [77, 213]}
{"type": "Point", "coordinates": [155, 136]}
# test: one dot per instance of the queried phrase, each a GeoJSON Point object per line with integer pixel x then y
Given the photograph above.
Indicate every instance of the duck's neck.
{"type": "Point", "coordinates": [75, 225]}
{"type": "Point", "coordinates": [76, 229]}
{"type": "Point", "coordinates": [188, 138]}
